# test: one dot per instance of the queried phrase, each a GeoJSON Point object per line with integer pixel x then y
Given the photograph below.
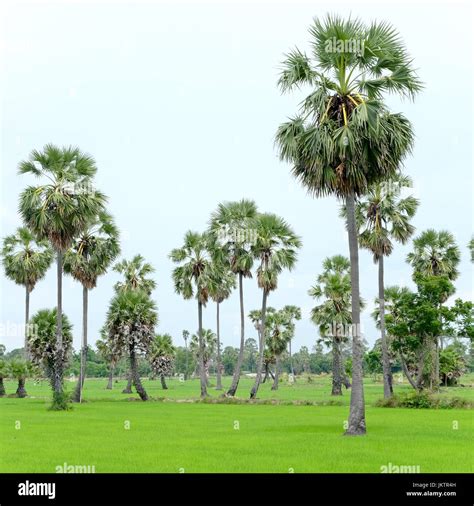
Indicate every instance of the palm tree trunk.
{"type": "Point", "coordinates": [219, 365]}
{"type": "Point", "coordinates": [111, 377]}
{"type": "Point", "coordinates": [20, 391]}
{"type": "Point", "coordinates": [258, 379]}
{"type": "Point", "coordinates": [235, 380]}
{"type": "Point", "coordinates": [407, 373]}
{"type": "Point", "coordinates": [202, 371]}
{"type": "Point", "coordinates": [59, 401]}
{"type": "Point", "coordinates": [164, 386]}
{"type": "Point", "coordinates": [356, 425]}
{"type": "Point", "coordinates": [135, 376]}
{"type": "Point", "coordinates": [82, 370]}
{"type": "Point", "coordinates": [27, 319]}
{"type": "Point", "coordinates": [186, 360]}
{"type": "Point", "coordinates": [276, 379]}
{"type": "Point", "coordinates": [128, 388]}
{"type": "Point", "coordinates": [291, 363]}
{"type": "Point", "coordinates": [336, 368]}
{"type": "Point", "coordinates": [387, 370]}
{"type": "Point", "coordinates": [2, 388]}
{"type": "Point", "coordinates": [267, 369]}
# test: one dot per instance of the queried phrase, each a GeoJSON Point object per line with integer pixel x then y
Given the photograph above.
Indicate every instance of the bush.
{"type": "Point", "coordinates": [423, 400]}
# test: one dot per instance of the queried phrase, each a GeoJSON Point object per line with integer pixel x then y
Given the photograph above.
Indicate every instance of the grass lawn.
{"type": "Point", "coordinates": [195, 437]}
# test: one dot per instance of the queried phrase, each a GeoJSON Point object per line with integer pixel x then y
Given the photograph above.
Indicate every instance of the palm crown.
{"type": "Point", "coordinates": [26, 260]}
{"type": "Point", "coordinates": [435, 254]}
{"type": "Point", "coordinates": [276, 247]}
{"type": "Point", "coordinates": [62, 207]}
{"type": "Point", "coordinates": [135, 272]}
{"type": "Point", "coordinates": [344, 138]}
{"type": "Point", "coordinates": [93, 251]}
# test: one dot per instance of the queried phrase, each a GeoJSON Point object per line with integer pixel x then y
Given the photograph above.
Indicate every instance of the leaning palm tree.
{"type": "Point", "coordinates": [275, 247]}
{"type": "Point", "coordinates": [191, 279]}
{"type": "Point", "coordinates": [58, 210]}
{"type": "Point", "coordinates": [383, 216]}
{"type": "Point", "coordinates": [221, 285]}
{"type": "Point", "coordinates": [435, 254]}
{"type": "Point", "coordinates": [130, 324]}
{"type": "Point", "coordinates": [333, 315]}
{"type": "Point", "coordinates": [89, 257]}
{"type": "Point", "coordinates": [135, 273]}
{"type": "Point", "coordinates": [233, 224]}
{"type": "Point", "coordinates": [26, 261]}
{"type": "Point", "coordinates": [161, 355]}
{"type": "Point", "coordinates": [344, 138]}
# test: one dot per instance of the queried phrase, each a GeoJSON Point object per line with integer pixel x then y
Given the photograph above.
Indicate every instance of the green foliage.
{"type": "Point", "coordinates": [423, 400]}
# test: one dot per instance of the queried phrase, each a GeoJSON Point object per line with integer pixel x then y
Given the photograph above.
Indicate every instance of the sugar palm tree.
{"type": "Point", "coordinates": [106, 351]}
{"type": "Point", "coordinates": [333, 315]}
{"type": "Point", "coordinates": [344, 138]}
{"type": "Point", "coordinates": [135, 272]}
{"type": "Point", "coordinates": [26, 262]}
{"type": "Point", "coordinates": [292, 313]}
{"type": "Point", "coordinates": [191, 279]}
{"type": "Point", "coordinates": [275, 247]}
{"type": "Point", "coordinates": [161, 355]}
{"type": "Point", "coordinates": [209, 344]}
{"type": "Point", "coordinates": [221, 285]}
{"type": "Point", "coordinates": [130, 324]}
{"type": "Point", "coordinates": [20, 369]}
{"type": "Point", "coordinates": [435, 254]}
{"type": "Point", "coordinates": [233, 225]}
{"type": "Point", "coordinates": [43, 350]}
{"type": "Point", "coordinates": [89, 257]}
{"type": "Point", "coordinates": [383, 216]}
{"type": "Point", "coordinates": [255, 316]}
{"type": "Point", "coordinates": [58, 210]}
{"type": "Point", "coordinates": [185, 337]}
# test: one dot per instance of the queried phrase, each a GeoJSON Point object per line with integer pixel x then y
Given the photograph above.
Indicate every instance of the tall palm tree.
{"type": "Point", "coordinates": [130, 324]}
{"type": "Point", "coordinates": [185, 337]}
{"type": "Point", "coordinates": [382, 216]}
{"type": "Point", "coordinates": [135, 272]}
{"type": "Point", "coordinates": [26, 262]}
{"type": "Point", "coordinates": [276, 248]}
{"type": "Point", "coordinates": [221, 284]}
{"type": "Point", "coordinates": [333, 316]}
{"type": "Point", "coordinates": [59, 209]}
{"type": "Point", "coordinates": [161, 355]}
{"type": "Point", "coordinates": [232, 224]}
{"type": "Point", "coordinates": [435, 254]}
{"type": "Point", "coordinates": [89, 257]}
{"type": "Point", "coordinates": [191, 279]}
{"type": "Point", "coordinates": [344, 138]}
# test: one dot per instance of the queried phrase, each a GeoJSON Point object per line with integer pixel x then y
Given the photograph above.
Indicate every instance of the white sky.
{"type": "Point", "coordinates": [178, 104]}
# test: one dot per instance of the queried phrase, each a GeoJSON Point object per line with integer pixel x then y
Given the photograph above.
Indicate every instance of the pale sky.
{"type": "Point", "coordinates": [178, 104]}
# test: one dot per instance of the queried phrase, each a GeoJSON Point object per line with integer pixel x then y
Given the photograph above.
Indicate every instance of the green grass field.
{"type": "Point", "coordinates": [174, 436]}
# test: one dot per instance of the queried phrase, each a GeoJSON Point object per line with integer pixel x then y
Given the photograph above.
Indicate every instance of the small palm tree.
{"type": "Point", "coordinates": [135, 272]}
{"type": "Point", "coordinates": [43, 349]}
{"type": "Point", "coordinates": [26, 262]}
{"type": "Point", "coordinates": [4, 372]}
{"type": "Point", "coordinates": [255, 316]}
{"type": "Point", "coordinates": [221, 285]}
{"type": "Point", "coordinates": [185, 337]}
{"type": "Point", "coordinates": [333, 316]}
{"type": "Point", "coordinates": [382, 216]}
{"type": "Point", "coordinates": [209, 341]}
{"type": "Point", "coordinates": [130, 324]}
{"type": "Point", "coordinates": [59, 210]}
{"type": "Point", "coordinates": [161, 355]}
{"type": "Point", "coordinates": [275, 247]}
{"type": "Point", "coordinates": [435, 254]}
{"type": "Point", "coordinates": [233, 224]}
{"type": "Point", "coordinates": [191, 279]}
{"type": "Point", "coordinates": [292, 313]}
{"type": "Point", "coordinates": [106, 351]}
{"type": "Point", "coordinates": [344, 138]}
{"type": "Point", "coordinates": [89, 257]}
{"type": "Point", "coordinates": [20, 370]}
